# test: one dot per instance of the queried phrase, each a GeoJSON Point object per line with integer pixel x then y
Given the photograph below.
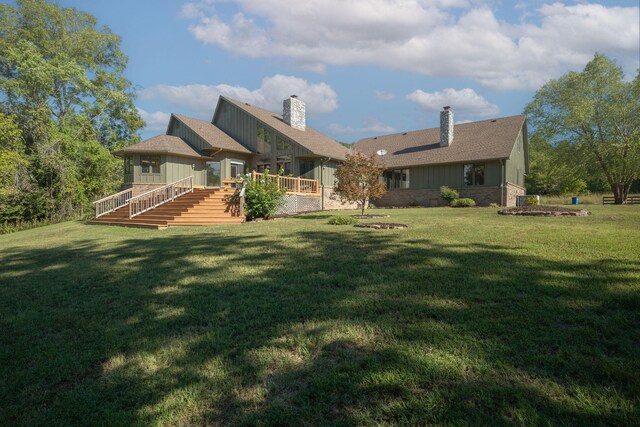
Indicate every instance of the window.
{"type": "Point", "coordinates": [263, 166]}
{"type": "Point", "coordinates": [398, 178]}
{"type": "Point", "coordinates": [150, 164]}
{"type": "Point", "coordinates": [307, 167]}
{"type": "Point", "coordinates": [264, 139]}
{"type": "Point", "coordinates": [282, 144]}
{"type": "Point", "coordinates": [473, 174]}
{"type": "Point", "coordinates": [128, 165]}
{"type": "Point", "coordinates": [213, 174]}
{"type": "Point", "coordinates": [284, 164]}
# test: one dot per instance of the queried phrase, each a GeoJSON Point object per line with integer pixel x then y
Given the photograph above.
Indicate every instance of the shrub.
{"type": "Point", "coordinates": [448, 194]}
{"type": "Point", "coordinates": [463, 203]}
{"type": "Point", "coordinates": [262, 196]}
{"type": "Point", "coordinates": [532, 201]}
{"type": "Point", "coordinates": [494, 205]}
{"type": "Point", "coordinates": [342, 220]}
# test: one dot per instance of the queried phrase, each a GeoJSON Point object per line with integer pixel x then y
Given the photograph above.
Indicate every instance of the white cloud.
{"type": "Point", "coordinates": [201, 100]}
{"type": "Point", "coordinates": [156, 121]}
{"type": "Point", "coordinates": [370, 126]}
{"type": "Point", "coordinates": [466, 102]}
{"type": "Point", "coordinates": [384, 96]}
{"type": "Point", "coordinates": [425, 36]}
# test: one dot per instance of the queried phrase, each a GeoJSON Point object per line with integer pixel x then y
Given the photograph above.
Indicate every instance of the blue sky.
{"type": "Point", "coordinates": [364, 67]}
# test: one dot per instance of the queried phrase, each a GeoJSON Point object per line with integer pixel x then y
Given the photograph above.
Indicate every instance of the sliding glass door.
{"type": "Point", "coordinates": [213, 174]}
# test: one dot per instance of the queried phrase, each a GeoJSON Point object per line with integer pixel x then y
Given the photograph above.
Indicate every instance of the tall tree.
{"type": "Point", "coordinates": [55, 59]}
{"type": "Point", "coordinates": [62, 81]}
{"type": "Point", "coordinates": [358, 179]}
{"type": "Point", "coordinates": [598, 113]}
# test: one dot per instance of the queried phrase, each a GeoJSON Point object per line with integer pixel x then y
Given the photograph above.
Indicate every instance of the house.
{"type": "Point", "coordinates": [210, 156]}
{"type": "Point", "coordinates": [485, 161]}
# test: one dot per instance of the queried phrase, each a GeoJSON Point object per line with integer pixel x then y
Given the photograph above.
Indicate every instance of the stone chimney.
{"type": "Point", "coordinates": [446, 127]}
{"type": "Point", "coordinates": [293, 112]}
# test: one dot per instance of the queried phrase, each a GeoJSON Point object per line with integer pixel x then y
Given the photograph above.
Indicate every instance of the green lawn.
{"type": "Point", "coordinates": [465, 318]}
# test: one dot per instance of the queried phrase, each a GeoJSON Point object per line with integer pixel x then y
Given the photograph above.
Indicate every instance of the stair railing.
{"type": "Point", "coordinates": [112, 202]}
{"type": "Point", "coordinates": [154, 198]}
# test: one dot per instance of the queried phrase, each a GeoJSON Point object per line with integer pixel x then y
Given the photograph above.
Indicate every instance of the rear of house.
{"type": "Point", "coordinates": [485, 161]}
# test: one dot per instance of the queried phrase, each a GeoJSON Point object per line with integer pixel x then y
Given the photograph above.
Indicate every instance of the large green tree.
{"type": "Point", "coordinates": [62, 82]}
{"type": "Point", "coordinates": [597, 113]}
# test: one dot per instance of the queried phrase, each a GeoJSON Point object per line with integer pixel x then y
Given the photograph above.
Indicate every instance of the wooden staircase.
{"type": "Point", "coordinates": [203, 206]}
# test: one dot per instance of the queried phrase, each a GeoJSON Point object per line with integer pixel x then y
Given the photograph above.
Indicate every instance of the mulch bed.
{"type": "Point", "coordinates": [544, 211]}
{"type": "Point", "coordinates": [381, 225]}
{"type": "Point", "coordinates": [369, 216]}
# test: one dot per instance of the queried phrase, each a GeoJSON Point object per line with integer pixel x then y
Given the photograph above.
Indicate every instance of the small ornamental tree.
{"type": "Point", "coordinates": [358, 179]}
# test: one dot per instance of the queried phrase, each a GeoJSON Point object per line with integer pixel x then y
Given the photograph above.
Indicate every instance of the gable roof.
{"type": "Point", "coordinates": [162, 144]}
{"type": "Point", "coordinates": [483, 140]}
{"type": "Point", "coordinates": [309, 138]}
{"type": "Point", "coordinates": [212, 135]}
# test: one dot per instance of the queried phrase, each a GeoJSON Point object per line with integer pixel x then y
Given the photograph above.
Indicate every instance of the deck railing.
{"type": "Point", "coordinates": [292, 184]}
{"type": "Point", "coordinates": [112, 202]}
{"type": "Point", "coordinates": [159, 196]}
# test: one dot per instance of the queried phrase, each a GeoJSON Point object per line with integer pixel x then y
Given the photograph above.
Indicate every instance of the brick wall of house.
{"type": "Point", "coordinates": [512, 193]}
{"type": "Point", "coordinates": [483, 196]}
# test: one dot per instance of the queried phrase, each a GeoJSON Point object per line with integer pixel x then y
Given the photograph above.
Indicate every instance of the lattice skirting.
{"type": "Point", "coordinates": [293, 203]}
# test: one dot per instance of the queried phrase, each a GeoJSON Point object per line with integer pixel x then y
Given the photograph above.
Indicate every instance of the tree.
{"type": "Point", "coordinates": [597, 113]}
{"type": "Point", "coordinates": [358, 179]}
{"type": "Point", "coordinates": [62, 83]}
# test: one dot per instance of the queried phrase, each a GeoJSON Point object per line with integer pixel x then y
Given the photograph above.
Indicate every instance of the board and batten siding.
{"type": "Point", "coordinates": [451, 175]}
{"type": "Point", "coordinates": [516, 164]}
{"type": "Point", "coordinates": [242, 127]}
{"type": "Point", "coordinates": [177, 128]}
{"type": "Point", "coordinates": [178, 167]}
{"type": "Point", "coordinates": [147, 178]}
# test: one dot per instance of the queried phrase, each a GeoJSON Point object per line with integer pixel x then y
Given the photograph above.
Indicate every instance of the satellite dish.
{"type": "Point", "coordinates": [381, 152]}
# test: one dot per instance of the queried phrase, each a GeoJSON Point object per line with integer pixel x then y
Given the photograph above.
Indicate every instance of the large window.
{"type": "Point", "coordinates": [128, 165]}
{"type": "Point", "coordinates": [264, 139]}
{"type": "Point", "coordinates": [282, 144]}
{"type": "Point", "coordinates": [306, 168]}
{"type": "Point", "coordinates": [397, 178]}
{"type": "Point", "coordinates": [150, 164]}
{"type": "Point", "coordinates": [473, 174]}
{"type": "Point", "coordinates": [284, 164]}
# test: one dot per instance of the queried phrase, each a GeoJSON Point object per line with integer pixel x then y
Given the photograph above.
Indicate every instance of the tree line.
{"type": "Point", "coordinates": [65, 106]}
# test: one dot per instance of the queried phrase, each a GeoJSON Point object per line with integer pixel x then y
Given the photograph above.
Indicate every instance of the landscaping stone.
{"type": "Point", "coordinates": [544, 211]}
{"type": "Point", "coordinates": [381, 225]}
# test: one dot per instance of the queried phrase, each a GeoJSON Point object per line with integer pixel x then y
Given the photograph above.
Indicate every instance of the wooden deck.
{"type": "Point", "coordinates": [204, 206]}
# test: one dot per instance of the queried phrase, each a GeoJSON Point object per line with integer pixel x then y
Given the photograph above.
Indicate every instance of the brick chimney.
{"type": "Point", "coordinates": [446, 127]}
{"type": "Point", "coordinates": [293, 112]}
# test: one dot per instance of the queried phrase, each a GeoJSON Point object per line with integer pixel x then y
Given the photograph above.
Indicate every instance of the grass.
{"type": "Point", "coordinates": [465, 318]}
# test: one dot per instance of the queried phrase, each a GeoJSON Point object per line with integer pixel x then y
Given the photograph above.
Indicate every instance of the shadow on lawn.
{"type": "Point", "coordinates": [339, 328]}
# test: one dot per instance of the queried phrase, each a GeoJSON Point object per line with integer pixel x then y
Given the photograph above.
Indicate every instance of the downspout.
{"type": "Point", "coordinates": [322, 163]}
{"type": "Point", "coordinates": [502, 166]}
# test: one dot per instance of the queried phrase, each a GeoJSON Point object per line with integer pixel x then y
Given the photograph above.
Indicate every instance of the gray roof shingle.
{"type": "Point", "coordinates": [214, 136]}
{"type": "Point", "coordinates": [483, 140]}
{"type": "Point", "coordinates": [162, 144]}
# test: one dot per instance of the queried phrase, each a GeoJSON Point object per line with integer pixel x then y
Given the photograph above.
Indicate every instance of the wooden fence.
{"type": "Point", "coordinates": [631, 200]}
